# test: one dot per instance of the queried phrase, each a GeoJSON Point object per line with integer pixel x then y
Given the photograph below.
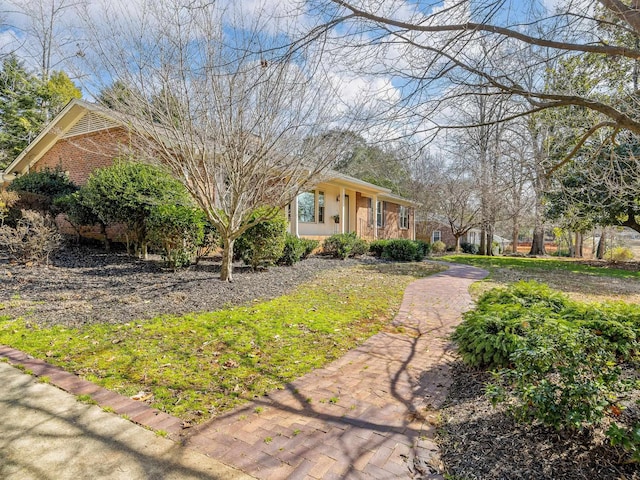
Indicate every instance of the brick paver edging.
{"type": "Point", "coordinates": [138, 412]}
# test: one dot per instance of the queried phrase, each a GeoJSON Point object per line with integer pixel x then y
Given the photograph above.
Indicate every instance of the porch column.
{"type": "Point", "coordinates": [374, 206]}
{"type": "Point", "coordinates": [342, 210]}
{"type": "Point", "coordinates": [412, 211]}
{"type": "Point", "coordinates": [293, 206]}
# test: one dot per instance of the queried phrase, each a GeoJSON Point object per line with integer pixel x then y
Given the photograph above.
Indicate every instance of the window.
{"type": "Point", "coordinates": [307, 207]}
{"type": "Point", "coordinates": [436, 236]}
{"type": "Point", "coordinates": [320, 207]}
{"type": "Point", "coordinates": [380, 217]}
{"type": "Point", "coordinates": [403, 217]}
{"type": "Point", "coordinates": [310, 207]}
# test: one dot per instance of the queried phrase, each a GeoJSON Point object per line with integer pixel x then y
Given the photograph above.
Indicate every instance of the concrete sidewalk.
{"type": "Point", "coordinates": [46, 433]}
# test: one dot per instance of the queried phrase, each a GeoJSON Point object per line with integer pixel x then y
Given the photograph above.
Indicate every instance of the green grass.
{"type": "Point", "coordinates": [541, 264]}
{"type": "Point", "coordinates": [197, 365]}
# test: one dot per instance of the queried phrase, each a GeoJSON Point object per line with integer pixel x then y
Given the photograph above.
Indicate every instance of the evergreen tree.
{"type": "Point", "coordinates": [26, 104]}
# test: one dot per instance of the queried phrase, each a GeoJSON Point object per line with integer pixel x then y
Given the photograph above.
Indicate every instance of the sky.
{"type": "Point", "coordinates": [357, 67]}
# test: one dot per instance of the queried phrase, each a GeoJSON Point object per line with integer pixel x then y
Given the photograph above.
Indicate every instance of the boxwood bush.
{"type": "Point", "coordinates": [402, 250]}
{"type": "Point", "coordinates": [343, 245]}
{"type": "Point", "coordinates": [263, 244]}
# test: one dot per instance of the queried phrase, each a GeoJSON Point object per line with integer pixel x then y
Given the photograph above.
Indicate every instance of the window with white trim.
{"type": "Point", "coordinates": [307, 207]}
{"type": "Point", "coordinates": [403, 217]}
{"type": "Point", "coordinates": [380, 213]}
{"type": "Point", "coordinates": [436, 236]}
{"type": "Point", "coordinates": [311, 207]}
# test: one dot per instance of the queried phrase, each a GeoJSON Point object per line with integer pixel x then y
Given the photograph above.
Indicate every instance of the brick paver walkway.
{"type": "Point", "coordinates": [370, 414]}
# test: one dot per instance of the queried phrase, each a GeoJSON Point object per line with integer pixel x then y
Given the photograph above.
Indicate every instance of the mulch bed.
{"type": "Point", "coordinates": [83, 285]}
{"type": "Point", "coordinates": [478, 441]}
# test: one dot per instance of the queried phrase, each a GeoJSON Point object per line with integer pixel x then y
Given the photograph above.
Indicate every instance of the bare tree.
{"type": "Point", "coordinates": [459, 201]}
{"type": "Point", "coordinates": [439, 42]}
{"type": "Point", "coordinates": [51, 37]}
{"type": "Point", "coordinates": [218, 97]}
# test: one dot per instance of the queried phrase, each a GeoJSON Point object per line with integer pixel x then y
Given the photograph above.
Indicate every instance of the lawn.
{"type": "Point", "coordinates": [198, 365]}
{"type": "Point", "coordinates": [580, 280]}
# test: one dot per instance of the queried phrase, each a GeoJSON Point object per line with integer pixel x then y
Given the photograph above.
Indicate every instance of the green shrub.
{"type": "Point", "coordinates": [496, 328]}
{"type": "Point", "coordinates": [424, 248]}
{"type": "Point", "coordinates": [471, 248]}
{"type": "Point", "coordinates": [177, 231]}
{"type": "Point", "coordinates": [262, 244]}
{"type": "Point", "coordinates": [309, 247]}
{"type": "Point", "coordinates": [438, 247]}
{"type": "Point", "coordinates": [51, 183]}
{"type": "Point", "coordinates": [619, 254]}
{"type": "Point", "coordinates": [377, 246]}
{"type": "Point", "coordinates": [627, 438]}
{"type": "Point", "coordinates": [563, 377]}
{"type": "Point", "coordinates": [559, 358]}
{"type": "Point", "coordinates": [294, 248]}
{"type": "Point", "coordinates": [126, 192]}
{"type": "Point", "coordinates": [343, 245]}
{"type": "Point", "coordinates": [401, 250]}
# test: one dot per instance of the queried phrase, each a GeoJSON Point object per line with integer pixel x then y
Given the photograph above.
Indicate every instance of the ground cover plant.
{"type": "Point", "coordinates": [198, 365]}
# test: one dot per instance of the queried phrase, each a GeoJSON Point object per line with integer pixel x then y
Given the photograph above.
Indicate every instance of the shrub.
{"type": "Point", "coordinates": [401, 250]}
{"type": "Point", "coordinates": [559, 358]}
{"type": "Point", "coordinates": [471, 248]}
{"type": "Point", "coordinates": [7, 201]}
{"type": "Point", "coordinates": [51, 183]}
{"type": "Point", "coordinates": [438, 247]}
{"type": "Point", "coordinates": [627, 438]}
{"type": "Point", "coordinates": [424, 248]}
{"type": "Point", "coordinates": [262, 244]}
{"type": "Point", "coordinates": [619, 254]}
{"type": "Point", "coordinates": [294, 248]}
{"type": "Point", "coordinates": [177, 230]}
{"type": "Point", "coordinates": [33, 238]}
{"type": "Point", "coordinates": [343, 245]}
{"type": "Point", "coordinates": [309, 247]}
{"type": "Point", "coordinates": [377, 247]}
{"type": "Point", "coordinates": [563, 377]}
{"type": "Point", "coordinates": [126, 192]}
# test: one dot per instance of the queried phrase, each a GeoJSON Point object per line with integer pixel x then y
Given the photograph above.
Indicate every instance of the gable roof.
{"type": "Point", "coordinates": [75, 118]}
{"type": "Point", "coordinates": [80, 117]}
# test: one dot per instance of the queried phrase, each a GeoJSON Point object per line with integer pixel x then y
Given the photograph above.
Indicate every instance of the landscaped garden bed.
{"type": "Point", "coordinates": [126, 324]}
{"type": "Point", "coordinates": [565, 379]}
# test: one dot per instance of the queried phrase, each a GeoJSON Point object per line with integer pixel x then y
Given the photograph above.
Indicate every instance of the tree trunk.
{"type": "Point", "coordinates": [579, 243]}
{"type": "Point", "coordinates": [537, 245]}
{"type": "Point", "coordinates": [226, 270]}
{"type": "Point", "coordinates": [457, 237]}
{"type": "Point", "coordinates": [570, 244]}
{"type": "Point", "coordinates": [489, 240]}
{"type": "Point", "coordinates": [483, 242]}
{"type": "Point", "coordinates": [515, 233]}
{"type": "Point", "coordinates": [601, 245]}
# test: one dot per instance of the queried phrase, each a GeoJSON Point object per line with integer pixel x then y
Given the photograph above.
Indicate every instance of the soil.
{"type": "Point", "coordinates": [478, 441]}
{"type": "Point", "coordinates": [82, 285]}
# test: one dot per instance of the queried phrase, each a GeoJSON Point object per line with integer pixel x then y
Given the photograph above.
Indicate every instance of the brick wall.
{"type": "Point", "coordinates": [82, 154]}
{"type": "Point", "coordinates": [391, 227]}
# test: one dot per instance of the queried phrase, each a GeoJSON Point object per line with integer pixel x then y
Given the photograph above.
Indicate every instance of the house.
{"type": "Point", "coordinates": [437, 228]}
{"type": "Point", "coordinates": [84, 137]}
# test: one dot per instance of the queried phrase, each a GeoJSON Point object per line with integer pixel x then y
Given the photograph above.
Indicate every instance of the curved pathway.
{"type": "Point", "coordinates": [369, 414]}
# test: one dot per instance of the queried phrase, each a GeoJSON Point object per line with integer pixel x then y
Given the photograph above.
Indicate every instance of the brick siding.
{"type": "Point", "coordinates": [82, 154]}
